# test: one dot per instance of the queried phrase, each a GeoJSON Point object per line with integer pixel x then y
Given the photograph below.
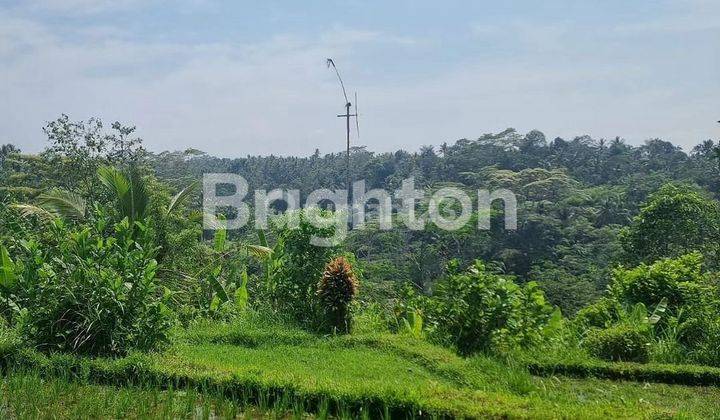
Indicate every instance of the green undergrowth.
{"type": "Point", "coordinates": [376, 375]}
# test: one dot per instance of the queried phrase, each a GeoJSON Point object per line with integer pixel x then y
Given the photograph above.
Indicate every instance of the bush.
{"type": "Point", "coordinates": [9, 341]}
{"type": "Point", "coordinates": [684, 309]}
{"type": "Point", "coordinates": [680, 281]}
{"type": "Point", "coordinates": [482, 311]}
{"type": "Point", "coordinates": [296, 266]}
{"type": "Point", "coordinates": [89, 293]}
{"type": "Point", "coordinates": [370, 318]}
{"type": "Point", "coordinates": [619, 343]}
{"type": "Point", "coordinates": [336, 290]}
{"type": "Point", "coordinates": [600, 314]}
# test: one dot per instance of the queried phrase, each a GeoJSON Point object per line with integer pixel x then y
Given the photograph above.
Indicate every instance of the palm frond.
{"type": "Point", "coordinates": [180, 198]}
{"type": "Point", "coordinates": [259, 251]}
{"type": "Point", "coordinates": [138, 198]}
{"type": "Point", "coordinates": [129, 191]}
{"type": "Point", "coordinates": [64, 204]}
{"type": "Point", "coordinates": [28, 210]}
{"type": "Point", "coordinates": [114, 180]}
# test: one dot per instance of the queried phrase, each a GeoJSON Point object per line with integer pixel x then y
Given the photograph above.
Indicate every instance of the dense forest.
{"type": "Point", "coordinates": [614, 257]}
{"type": "Point", "coordinates": [574, 196]}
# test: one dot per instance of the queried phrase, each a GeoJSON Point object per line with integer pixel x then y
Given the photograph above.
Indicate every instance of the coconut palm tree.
{"type": "Point", "coordinates": [130, 198]}
{"type": "Point", "coordinates": [127, 188]}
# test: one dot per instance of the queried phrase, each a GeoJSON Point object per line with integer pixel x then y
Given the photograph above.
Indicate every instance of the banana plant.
{"type": "Point", "coordinates": [270, 257]}
{"type": "Point", "coordinates": [638, 314]}
{"type": "Point", "coordinates": [412, 324]}
{"type": "Point", "coordinates": [658, 312]}
{"type": "Point", "coordinates": [224, 249]}
{"type": "Point", "coordinates": [8, 278]}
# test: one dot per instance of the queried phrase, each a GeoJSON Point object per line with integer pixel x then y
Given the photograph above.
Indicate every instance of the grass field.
{"type": "Point", "coordinates": [248, 369]}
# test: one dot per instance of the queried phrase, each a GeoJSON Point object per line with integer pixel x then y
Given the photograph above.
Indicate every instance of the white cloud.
{"type": "Point", "coordinates": [227, 99]}
{"type": "Point", "coordinates": [277, 96]}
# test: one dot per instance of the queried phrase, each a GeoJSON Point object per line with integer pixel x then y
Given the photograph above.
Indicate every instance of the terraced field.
{"type": "Point", "coordinates": [247, 369]}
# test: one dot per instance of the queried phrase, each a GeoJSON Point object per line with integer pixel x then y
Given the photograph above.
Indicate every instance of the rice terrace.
{"type": "Point", "coordinates": [218, 210]}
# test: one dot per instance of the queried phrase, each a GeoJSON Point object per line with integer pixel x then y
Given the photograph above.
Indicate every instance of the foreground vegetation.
{"type": "Point", "coordinates": [108, 279]}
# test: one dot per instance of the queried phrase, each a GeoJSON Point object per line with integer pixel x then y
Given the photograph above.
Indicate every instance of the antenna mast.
{"type": "Point", "coordinates": [346, 115]}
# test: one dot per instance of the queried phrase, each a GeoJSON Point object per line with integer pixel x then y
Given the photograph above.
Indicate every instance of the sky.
{"type": "Point", "coordinates": [236, 78]}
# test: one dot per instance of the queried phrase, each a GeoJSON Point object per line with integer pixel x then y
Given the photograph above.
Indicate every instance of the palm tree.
{"type": "Point", "coordinates": [129, 193]}
{"type": "Point", "coordinates": [56, 204]}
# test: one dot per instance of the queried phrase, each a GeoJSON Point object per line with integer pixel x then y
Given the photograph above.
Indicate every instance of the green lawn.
{"type": "Point", "coordinates": [250, 364]}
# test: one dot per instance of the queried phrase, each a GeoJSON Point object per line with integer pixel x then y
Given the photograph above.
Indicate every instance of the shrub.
{"type": "Point", "coordinates": [336, 290]}
{"type": "Point", "coordinates": [683, 303]}
{"type": "Point", "coordinates": [619, 343]}
{"type": "Point", "coordinates": [680, 281]}
{"type": "Point", "coordinates": [296, 266]}
{"type": "Point", "coordinates": [480, 311]}
{"type": "Point", "coordinates": [370, 317]}
{"type": "Point", "coordinates": [9, 341]}
{"type": "Point", "coordinates": [89, 293]}
{"type": "Point", "coordinates": [600, 314]}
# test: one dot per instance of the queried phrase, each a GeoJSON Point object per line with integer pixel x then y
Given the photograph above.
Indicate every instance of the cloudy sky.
{"type": "Point", "coordinates": [234, 78]}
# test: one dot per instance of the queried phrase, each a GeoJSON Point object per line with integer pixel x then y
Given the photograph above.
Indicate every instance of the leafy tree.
{"type": "Point", "coordinates": [5, 151]}
{"type": "Point", "coordinates": [675, 221]}
{"type": "Point", "coordinates": [78, 149]}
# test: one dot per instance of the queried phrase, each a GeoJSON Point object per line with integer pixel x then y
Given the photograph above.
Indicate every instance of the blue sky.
{"type": "Point", "coordinates": [235, 78]}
